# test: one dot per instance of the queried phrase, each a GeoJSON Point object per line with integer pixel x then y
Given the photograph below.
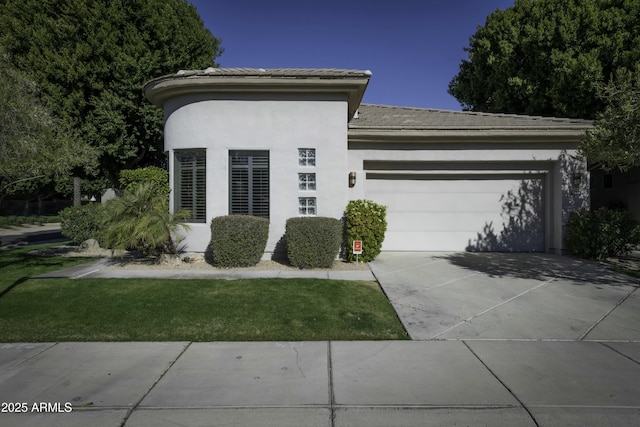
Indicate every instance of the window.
{"type": "Point", "coordinates": [307, 206]}
{"type": "Point", "coordinates": [249, 183]}
{"type": "Point", "coordinates": [306, 156]}
{"type": "Point", "coordinates": [307, 181]}
{"type": "Point", "coordinates": [191, 183]}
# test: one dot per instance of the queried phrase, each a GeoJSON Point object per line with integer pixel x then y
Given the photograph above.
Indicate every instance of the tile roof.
{"type": "Point", "coordinates": [382, 117]}
{"type": "Point", "coordinates": [275, 72]}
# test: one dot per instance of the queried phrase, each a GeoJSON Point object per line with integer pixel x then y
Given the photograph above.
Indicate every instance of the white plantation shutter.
{"type": "Point", "coordinates": [249, 183]}
{"type": "Point", "coordinates": [191, 178]}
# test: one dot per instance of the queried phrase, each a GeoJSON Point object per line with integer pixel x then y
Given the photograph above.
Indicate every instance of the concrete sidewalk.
{"type": "Point", "coordinates": [400, 383]}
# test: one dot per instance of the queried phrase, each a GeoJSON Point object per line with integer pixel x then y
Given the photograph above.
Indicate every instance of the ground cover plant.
{"type": "Point", "coordinates": [38, 310]}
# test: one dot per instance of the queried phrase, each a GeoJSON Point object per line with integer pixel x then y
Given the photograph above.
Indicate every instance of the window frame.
{"type": "Point", "coordinates": [303, 208]}
{"type": "Point", "coordinates": [254, 186]}
{"type": "Point", "coordinates": [196, 200]}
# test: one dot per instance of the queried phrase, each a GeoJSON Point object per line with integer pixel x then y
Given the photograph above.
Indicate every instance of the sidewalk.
{"type": "Point", "coordinates": [398, 383]}
{"type": "Point", "coordinates": [30, 233]}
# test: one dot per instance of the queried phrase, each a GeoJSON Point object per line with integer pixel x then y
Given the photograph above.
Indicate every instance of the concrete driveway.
{"type": "Point", "coordinates": [466, 296]}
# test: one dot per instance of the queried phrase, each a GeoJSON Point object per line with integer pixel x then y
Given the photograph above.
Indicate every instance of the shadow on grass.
{"type": "Point", "coordinates": [13, 285]}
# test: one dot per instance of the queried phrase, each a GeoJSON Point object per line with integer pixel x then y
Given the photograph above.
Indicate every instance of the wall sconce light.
{"type": "Point", "coordinates": [577, 179]}
{"type": "Point", "coordinates": [352, 179]}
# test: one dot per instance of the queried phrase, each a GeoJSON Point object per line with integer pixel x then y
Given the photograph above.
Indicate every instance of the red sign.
{"type": "Point", "coordinates": [357, 247]}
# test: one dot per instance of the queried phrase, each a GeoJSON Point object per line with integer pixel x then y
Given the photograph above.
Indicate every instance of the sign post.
{"type": "Point", "coordinates": [357, 249]}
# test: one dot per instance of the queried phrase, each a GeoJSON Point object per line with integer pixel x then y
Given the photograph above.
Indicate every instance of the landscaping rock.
{"type": "Point", "coordinates": [170, 260]}
{"type": "Point", "coordinates": [194, 258]}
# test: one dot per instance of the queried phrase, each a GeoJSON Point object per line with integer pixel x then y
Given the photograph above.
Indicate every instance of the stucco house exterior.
{"type": "Point", "coordinates": [281, 143]}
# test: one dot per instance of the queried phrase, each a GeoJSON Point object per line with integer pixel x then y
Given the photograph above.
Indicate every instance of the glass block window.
{"type": "Point", "coordinates": [190, 172]}
{"type": "Point", "coordinates": [249, 183]}
{"type": "Point", "coordinates": [307, 181]}
{"type": "Point", "coordinates": [306, 156]}
{"type": "Point", "coordinates": [307, 206]}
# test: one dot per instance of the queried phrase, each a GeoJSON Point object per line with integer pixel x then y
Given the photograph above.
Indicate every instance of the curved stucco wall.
{"type": "Point", "coordinates": [278, 123]}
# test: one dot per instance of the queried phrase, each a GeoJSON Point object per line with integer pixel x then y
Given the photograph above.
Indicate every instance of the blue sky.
{"type": "Point", "coordinates": [413, 48]}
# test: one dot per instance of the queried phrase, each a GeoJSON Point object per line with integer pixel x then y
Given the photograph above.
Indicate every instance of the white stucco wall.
{"type": "Point", "coordinates": [278, 123]}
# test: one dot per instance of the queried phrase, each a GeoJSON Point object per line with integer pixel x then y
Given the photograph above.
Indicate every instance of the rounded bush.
{"type": "Point", "coordinates": [313, 242]}
{"type": "Point", "coordinates": [238, 240]}
{"type": "Point", "coordinates": [602, 233]}
{"type": "Point", "coordinates": [80, 223]}
{"type": "Point", "coordinates": [367, 221]}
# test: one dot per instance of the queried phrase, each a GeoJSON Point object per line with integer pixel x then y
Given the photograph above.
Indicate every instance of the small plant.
{"type": "Point", "coordinates": [141, 220]}
{"type": "Point", "coordinates": [238, 240]}
{"type": "Point", "coordinates": [602, 233]}
{"type": "Point", "coordinates": [80, 223]}
{"type": "Point", "coordinates": [313, 242]}
{"type": "Point", "coordinates": [366, 221]}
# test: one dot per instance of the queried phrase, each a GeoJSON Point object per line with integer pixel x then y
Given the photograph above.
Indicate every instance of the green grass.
{"type": "Point", "coordinates": [17, 220]}
{"type": "Point", "coordinates": [37, 310]}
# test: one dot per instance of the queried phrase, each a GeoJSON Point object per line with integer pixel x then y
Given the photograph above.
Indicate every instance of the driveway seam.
{"type": "Point", "coordinates": [583, 336]}
{"type": "Point", "coordinates": [620, 353]}
{"type": "Point", "coordinates": [494, 307]}
{"type": "Point", "coordinates": [137, 404]}
{"type": "Point", "coordinates": [503, 384]}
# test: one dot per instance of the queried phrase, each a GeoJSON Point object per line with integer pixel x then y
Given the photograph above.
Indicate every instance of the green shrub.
{"type": "Point", "coordinates": [238, 240]}
{"type": "Point", "coordinates": [602, 233]}
{"type": "Point", "coordinates": [313, 242]}
{"type": "Point", "coordinates": [140, 219]}
{"type": "Point", "coordinates": [367, 221]}
{"type": "Point", "coordinates": [79, 223]}
{"type": "Point", "coordinates": [130, 179]}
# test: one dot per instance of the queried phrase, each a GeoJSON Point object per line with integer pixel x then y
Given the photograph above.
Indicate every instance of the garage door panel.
{"type": "Point", "coordinates": [441, 202]}
{"type": "Point", "coordinates": [461, 214]}
{"type": "Point", "coordinates": [469, 222]}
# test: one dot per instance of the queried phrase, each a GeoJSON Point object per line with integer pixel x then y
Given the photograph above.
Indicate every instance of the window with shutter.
{"type": "Point", "coordinates": [191, 183]}
{"type": "Point", "coordinates": [249, 183]}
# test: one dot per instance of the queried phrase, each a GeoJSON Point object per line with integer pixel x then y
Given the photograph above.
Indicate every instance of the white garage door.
{"type": "Point", "coordinates": [462, 212]}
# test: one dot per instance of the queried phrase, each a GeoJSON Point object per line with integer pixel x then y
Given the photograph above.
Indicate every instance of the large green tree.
{"type": "Point", "coordinates": [614, 143]}
{"type": "Point", "coordinates": [92, 58]}
{"type": "Point", "coordinates": [35, 145]}
{"type": "Point", "coordinates": [547, 57]}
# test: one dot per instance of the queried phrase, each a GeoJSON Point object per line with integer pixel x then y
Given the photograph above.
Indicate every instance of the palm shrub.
{"type": "Point", "coordinates": [80, 223]}
{"type": "Point", "coordinates": [313, 242]}
{"type": "Point", "coordinates": [602, 233]}
{"type": "Point", "coordinates": [140, 219]}
{"type": "Point", "coordinates": [367, 221]}
{"type": "Point", "coordinates": [238, 240]}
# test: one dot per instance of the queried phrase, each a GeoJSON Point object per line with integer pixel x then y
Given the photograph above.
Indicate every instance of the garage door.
{"type": "Point", "coordinates": [461, 212]}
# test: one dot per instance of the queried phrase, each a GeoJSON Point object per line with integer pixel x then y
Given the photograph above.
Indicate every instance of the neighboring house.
{"type": "Point", "coordinates": [282, 143]}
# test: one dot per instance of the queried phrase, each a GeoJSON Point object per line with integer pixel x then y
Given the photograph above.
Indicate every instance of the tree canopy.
{"type": "Point", "coordinates": [614, 143]}
{"type": "Point", "coordinates": [91, 60]}
{"type": "Point", "coordinates": [34, 144]}
{"type": "Point", "coordinates": [547, 57]}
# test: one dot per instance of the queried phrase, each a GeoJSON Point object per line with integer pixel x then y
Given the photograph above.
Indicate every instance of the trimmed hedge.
{"type": "Point", "coordinates": [367, 221]}
{"type": "Point", "coordinates": [238, 240]}
{"type": "Point", "coordinates": [130, 179]}
{"type": "Point", "coordinates": [80, 223]}
{"type": "Point", "coordinates": [602, 233]}
{"type": "Point", "coordinates": [313, 242]}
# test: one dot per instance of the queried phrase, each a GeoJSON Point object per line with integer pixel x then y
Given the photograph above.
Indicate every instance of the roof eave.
{"type": "Point", "coordinates": [158, 91]}
{"type": "Point", "coordinates": [465, 135]}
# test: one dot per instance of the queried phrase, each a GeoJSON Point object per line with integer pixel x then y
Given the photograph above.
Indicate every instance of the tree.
{"type": "Point", "coordinates": [91, 60]}
{"type": "Point", "coordinates": [614, 143]}
{"type": "Point", "coordinates": [547, 57]}
{"type": "Point", "coordinates": [34, 144]}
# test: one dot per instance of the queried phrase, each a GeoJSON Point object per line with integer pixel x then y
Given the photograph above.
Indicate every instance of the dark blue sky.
{"type": "Point", "coordinates": [413, 48]}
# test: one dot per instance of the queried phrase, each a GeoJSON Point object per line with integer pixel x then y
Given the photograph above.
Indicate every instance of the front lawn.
{"type": "Point", "coordinates": [36, 310]}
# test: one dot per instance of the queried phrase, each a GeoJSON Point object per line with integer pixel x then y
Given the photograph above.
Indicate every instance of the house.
{"type": "Point", "coordinates": [281, 143]}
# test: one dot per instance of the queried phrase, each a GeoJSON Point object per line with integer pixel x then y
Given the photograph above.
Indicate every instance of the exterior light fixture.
{"type": "Point", "coordinates": [352, 179]}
